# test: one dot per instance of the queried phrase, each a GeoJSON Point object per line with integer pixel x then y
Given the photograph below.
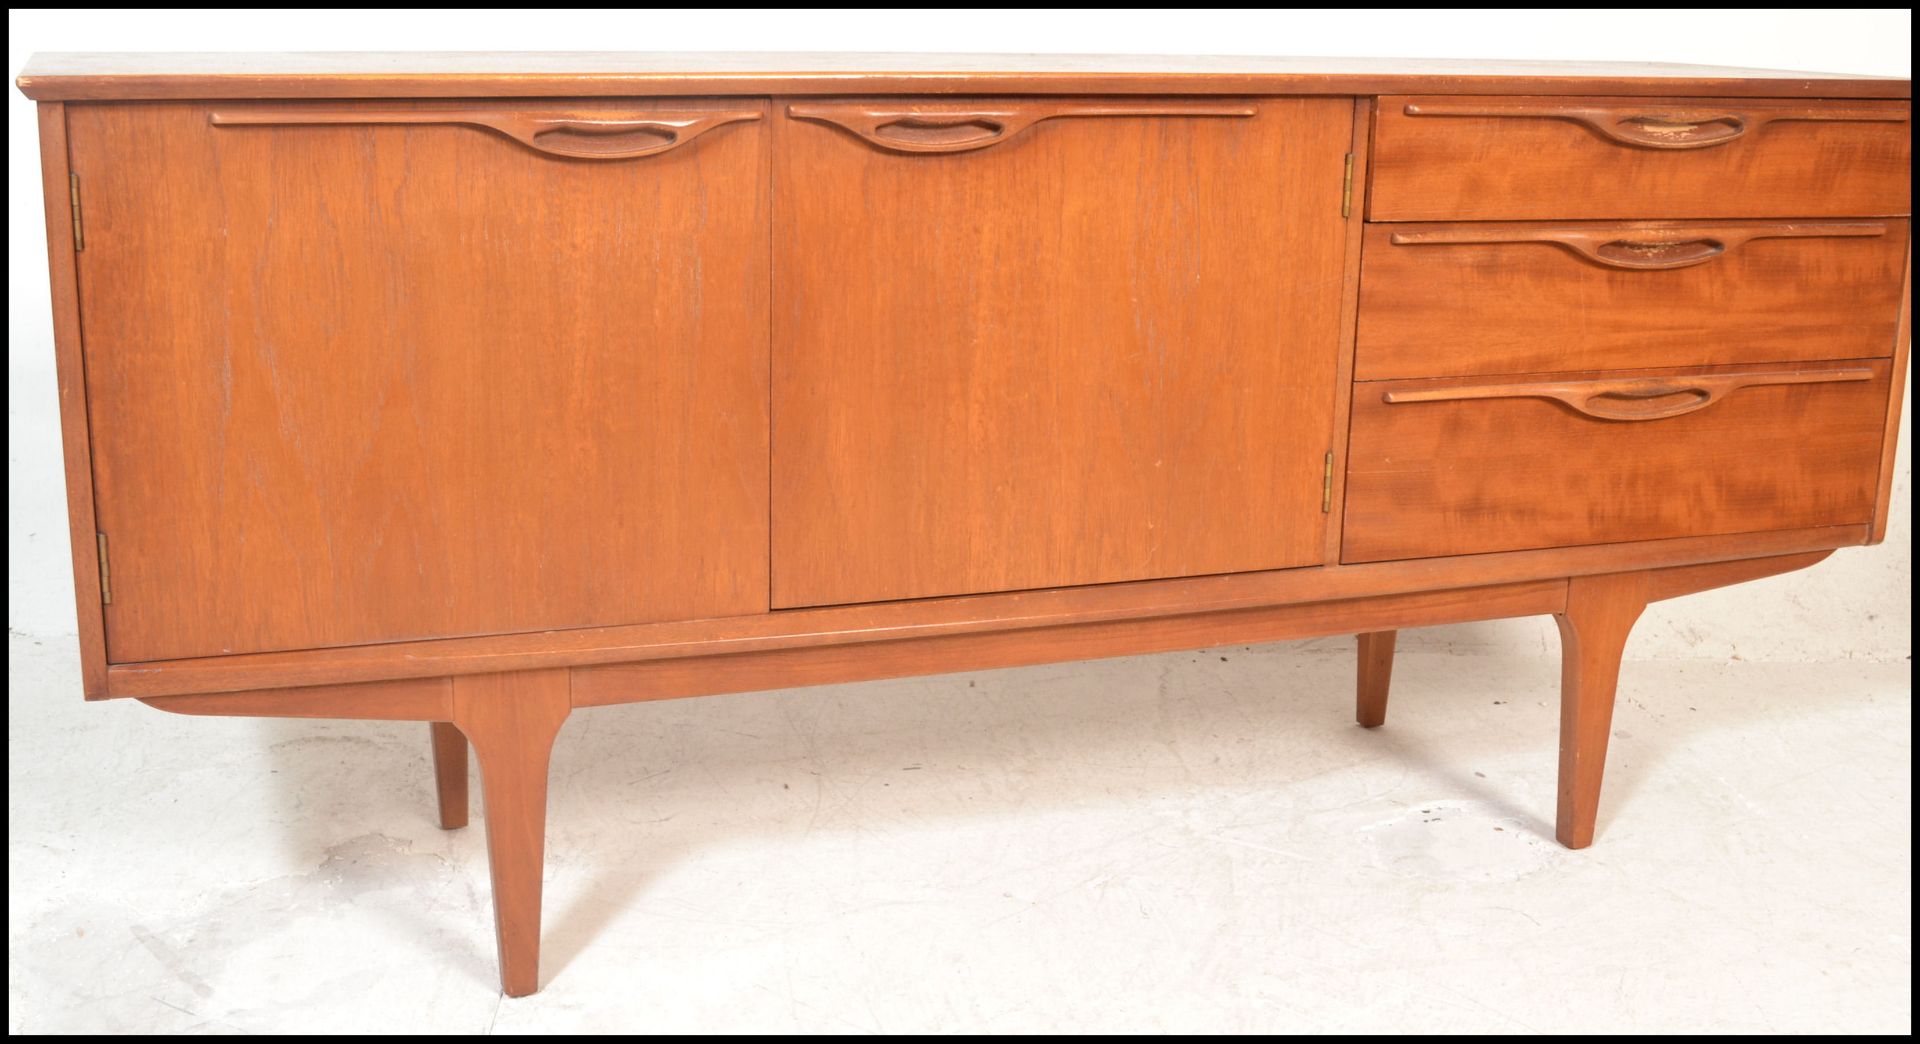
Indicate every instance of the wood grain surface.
{"type": "Point", "coordinates": [831, 664]}
{"type": "Point", "coordinates": [398, 699]}
{"type": "Point", "coordinates": [1354, 202]}
{"type": "Point", "coordinates": [354, 384]}
{"type": "Point", "coordinates": [1628, 397]}
{"type": "Point", "coordinates": [1098, 351]}
{"type": "Point", "coordinates": [917, 125]}
{"type": "Point", "coordinates": [76, 442]}
{"type": "Point", "coordinates": [1464, 299]}
{"type": "Point", "coordinates": [1896, 398]}
{"type": "Point", "coordinates": [1374, 671]}
{"type": "Point", "coordinates": [398, 74]}
{"type": "Point", "coordinates": [511, 720]}
{"type": "Point", "coordinates": [892, 621]}
{"type": "Point", "coordinates": [595, 133]}
{"type": "Point", "coordinates": [1679, 581]}
{"type": "Point", "coordinates": [1466, 476]}
{"type": "Point", "coordinates": [1600, 614]}
{"type": "Point", "coordinates": [449, 773]}
{"type": "Point", "coordinates": [1529, 162]}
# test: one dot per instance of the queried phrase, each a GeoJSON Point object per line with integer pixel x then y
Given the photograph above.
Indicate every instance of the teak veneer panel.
{"type": "Point", "coordinates": [1465, 476]}
{"type": "Point", "coordinates": [1098, 349]}
{"type": "Point", "coordinates": [1890, 441]}
{"type": "Point", "coordinates": [892, 621]}
{"type": "Point", "coordinates": [1523, 159]}
{"type": "Point", "coordinates": [70, 369]}
{"type": "Point", "coordinates": [1463, 299]}
{"type": "Point", "coordinates": [816, 665]}
{"type": "Point", "coordinates": [362, 382]}
{"type": "Point", "coordinates": [402, 699]}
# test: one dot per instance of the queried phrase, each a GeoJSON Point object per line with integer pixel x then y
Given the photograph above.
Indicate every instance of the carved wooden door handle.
{"type": "Point", "coordinates": [585, 134]}
{"type": "Point", "coordinates": [1630, 398]}
{"type": "Point", "coordinates": [934, 127]}
{"type": "Point", "coordinates": [1657, 127]}
{"type": "Point", "coordinates": [1639, 247]}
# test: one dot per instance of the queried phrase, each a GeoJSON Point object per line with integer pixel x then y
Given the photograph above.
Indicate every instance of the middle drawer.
{"type": "Point", "coordinates": [1457, 300]}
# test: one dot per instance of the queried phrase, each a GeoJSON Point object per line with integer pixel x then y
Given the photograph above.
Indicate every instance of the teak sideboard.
{"type": "Point", "coordinates": [475, 389]}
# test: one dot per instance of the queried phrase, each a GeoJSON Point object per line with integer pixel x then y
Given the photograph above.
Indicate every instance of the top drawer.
{"type": "Point", "coordinates": [1464, 159]}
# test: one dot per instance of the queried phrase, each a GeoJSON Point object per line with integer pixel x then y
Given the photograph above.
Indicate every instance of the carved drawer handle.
{"type": "Point", "coordinates": [575, 135]}
{"type": "Point", "coordinates": [1648, 247]}
{"type": "Point", "coordinates": [1674, 131]}
{"type": "Point", "coordinates": [1663, 129]}
{"type": "Point", "coordinates": [1645, 254]}
{"type": "Point", "coordinates": [941, 133]}
{"type": "Point", "coordinates": [936, 127]}
{"type": "Point", "coordinates": [1654, 402]}
{"type": "Point", "coordinates": [1630, 398]}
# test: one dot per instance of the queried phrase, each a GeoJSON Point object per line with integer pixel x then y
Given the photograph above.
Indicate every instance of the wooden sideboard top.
{"type": "Point", "coordinates": [342, 74]}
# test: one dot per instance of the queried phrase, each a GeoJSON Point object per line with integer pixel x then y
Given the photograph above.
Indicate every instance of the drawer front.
{"type": "Point", "coordinates": [1553, 159]}
{"type": "Point", "coordinates": [370, 371]}
{"type": "Point", "coordinates": [1456, 467]}
{"type": "Point", "coordinates": [1464, 299]}
{"type": "Point", "coordinates": [1037, 342]}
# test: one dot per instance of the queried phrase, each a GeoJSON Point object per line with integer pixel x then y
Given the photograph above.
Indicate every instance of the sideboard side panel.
{"type": "Point", "coordinates": [70, 367]}
{"type": "Point", "coordinates": [1890, 441]}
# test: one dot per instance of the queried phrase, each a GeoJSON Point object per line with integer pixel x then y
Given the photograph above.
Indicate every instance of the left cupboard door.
{"type": "Point", "coordinates": [367, 372]}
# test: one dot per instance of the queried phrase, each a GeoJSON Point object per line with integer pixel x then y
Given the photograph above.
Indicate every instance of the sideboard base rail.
{"type": "Point", "coordinates": [940, 617]}
{"type": "Point", "coordinates": [511, 718]}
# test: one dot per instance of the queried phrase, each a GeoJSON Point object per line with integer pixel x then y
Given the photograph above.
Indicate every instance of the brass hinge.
{"type": "Point", "coordinates": [73, 192]}
{"type": "Point", "coordinates": [1326, 489]}
{"type": "Point", "coordinates": [1346, 191]}
{"type": "Point", "coordinates": [106, 584]}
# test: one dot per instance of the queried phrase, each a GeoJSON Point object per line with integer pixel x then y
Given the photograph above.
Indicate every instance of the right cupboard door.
{"type": "Point", "coordinates": [1032, 342]}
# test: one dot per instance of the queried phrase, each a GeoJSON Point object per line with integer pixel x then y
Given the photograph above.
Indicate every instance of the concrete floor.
{"type": "Point", "coordinates": [1196, 842]}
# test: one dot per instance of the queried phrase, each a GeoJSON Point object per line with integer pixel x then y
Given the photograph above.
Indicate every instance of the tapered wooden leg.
{"type": "Point", "coordinates": [450, 773]}
{"type": "Point", "coordinates": [511, 720]}
{"type": "Point", "coordinates": [1376, 674]}
{"type": "Point", "coordinates": [1601, 611]}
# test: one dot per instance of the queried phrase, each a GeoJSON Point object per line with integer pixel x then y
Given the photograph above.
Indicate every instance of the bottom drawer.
{"type": "Point", "coordinates": [1464, 466]}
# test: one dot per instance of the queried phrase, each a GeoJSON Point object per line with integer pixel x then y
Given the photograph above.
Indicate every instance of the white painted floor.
{"type": "Point", "coordinates": [1194, 842]}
